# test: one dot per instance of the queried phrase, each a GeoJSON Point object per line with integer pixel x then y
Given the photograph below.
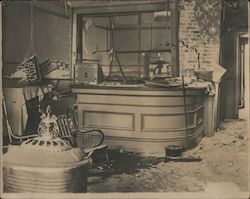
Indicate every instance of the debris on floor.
{"type": "Point", "coordinates": [224, 161]}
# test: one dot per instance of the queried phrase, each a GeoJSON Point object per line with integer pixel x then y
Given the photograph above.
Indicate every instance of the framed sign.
{"type": "Point", "coordinates": [32, 70]}
{"type": "Point", "coordinates": [87, 72]}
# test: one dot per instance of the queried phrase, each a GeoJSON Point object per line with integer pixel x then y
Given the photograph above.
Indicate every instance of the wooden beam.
{"type": "Point", "coordinates": [52, 9]}
{"type": "Point", "coordinates": [1, 47]}
{"type": "Point", "coordinates": [141, 51]}
{"type": "Point", "coordinates": [139, 45]}
{"type": "Point", "coordinates": [1, 66]}
{"type": "Point", "coordinates": [174, 40]}
{"type": "Point", "coordinates": [101, 3]}
{"type": "Point", "coordinates": [135, 27]}
{"type": "Point", "coordinates": [74, 43]}
{"type": "Point", "coordinates": [79, 37]}
{"type": "Point", "coordinates": [121, 9]}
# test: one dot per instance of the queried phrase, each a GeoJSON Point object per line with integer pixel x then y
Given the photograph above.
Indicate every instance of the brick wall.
{"type": "Point", "coordinates": [191, 32]}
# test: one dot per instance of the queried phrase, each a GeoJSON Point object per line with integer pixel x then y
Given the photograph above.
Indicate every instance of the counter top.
{"type": "Point", "coordinates": [133, 87]}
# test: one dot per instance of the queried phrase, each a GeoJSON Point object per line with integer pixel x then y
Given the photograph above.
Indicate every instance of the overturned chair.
{"type": "Point", "coordinates": [91, 140]}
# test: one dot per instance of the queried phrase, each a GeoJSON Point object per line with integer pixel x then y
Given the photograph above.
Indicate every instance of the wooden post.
{"type": "Point", "coordinates": [73, 44]}
{"type": "Point", "coordinates": [146, 65]}
{"type": "Point", "coordinates": [79, 40]}
{"type": "Point", "coordinates": [139, 45]}
{"type": "Point", "coordinates": [215, 107]}
{"type": "Point", "coordinates": [174, 39]}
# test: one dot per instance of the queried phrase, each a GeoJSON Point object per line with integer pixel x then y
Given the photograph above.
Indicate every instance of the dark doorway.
{"type": "Point", "coordinates": [242, 72]}
{"type": "Point", "coordinates": [233, 56]}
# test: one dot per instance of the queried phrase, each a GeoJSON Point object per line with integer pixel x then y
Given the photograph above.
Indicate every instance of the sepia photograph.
{"type": "Point", "coordinates": [124, 99]}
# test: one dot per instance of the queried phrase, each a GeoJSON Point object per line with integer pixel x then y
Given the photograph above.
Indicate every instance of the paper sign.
{"type": "Point", "coordinates": [218, 72]}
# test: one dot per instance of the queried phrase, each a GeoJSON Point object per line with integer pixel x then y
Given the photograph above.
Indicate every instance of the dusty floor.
{"type": "Point", "coordinates": [224, 165]}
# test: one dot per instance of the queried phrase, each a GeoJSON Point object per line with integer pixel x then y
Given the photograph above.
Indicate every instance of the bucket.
{"type": "Point", "coordinates": [174, 151]}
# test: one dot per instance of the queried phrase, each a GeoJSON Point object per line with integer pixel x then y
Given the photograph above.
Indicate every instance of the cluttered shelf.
{"type": "Point", "coordinates": [147, 85]}
{"type": "Point", "coordinates": [33, 72]}
{"type": "Point", "coordinates": [134, 87]}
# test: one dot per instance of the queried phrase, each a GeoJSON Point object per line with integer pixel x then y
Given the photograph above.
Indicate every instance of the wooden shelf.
{"type": "Point", "coordinates": [142, 51]}
{"type": "Point", "coordinates": [155, 26]}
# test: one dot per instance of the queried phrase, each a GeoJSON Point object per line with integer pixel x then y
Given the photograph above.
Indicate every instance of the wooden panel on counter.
{"type": "Point", "coordinates": [112, 120]}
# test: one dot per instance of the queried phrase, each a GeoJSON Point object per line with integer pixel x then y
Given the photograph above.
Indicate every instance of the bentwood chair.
{"type": "Point", "coordinates": [91, 141]}
{"type": "Point", "coordinates": [13, 138]}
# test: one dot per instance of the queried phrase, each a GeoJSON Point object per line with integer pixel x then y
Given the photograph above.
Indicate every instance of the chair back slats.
{"type": "Point", "coordinates": [85, 140]}
{"type": "Point", "coordinates": [67, 124]}
{"type": "Point", "coordinates": [91, 138]}
{"type": "Point", "coordinates": [60, 126]}
{"type": "Point", "coordinates": [72, 118]}
{"type": "Point", "coordinates": [63, 125]}
{"type": "Point", "coordinates": [67, 127]}
{"type": "Point", "coordinates": [9, 129]}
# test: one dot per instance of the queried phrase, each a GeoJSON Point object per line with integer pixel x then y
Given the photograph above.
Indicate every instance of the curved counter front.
{"type": "Point", "coordinates": [142, 119]}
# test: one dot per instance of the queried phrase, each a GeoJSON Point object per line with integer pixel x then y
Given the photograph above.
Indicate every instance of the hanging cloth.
{"type": "Point", "coordinates": [32, 96]}
{"type": "Point", "coordinates": [30, 48]}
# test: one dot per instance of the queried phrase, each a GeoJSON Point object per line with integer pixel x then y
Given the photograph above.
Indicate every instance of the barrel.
{"type": "Point", "coordinates": [20, 179]}
{"type": "Point", "coordinates": [28, 174]}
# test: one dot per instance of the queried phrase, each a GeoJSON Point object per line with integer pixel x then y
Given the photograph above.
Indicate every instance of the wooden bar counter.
{"type": "Point", "coordinates": [142, 119]}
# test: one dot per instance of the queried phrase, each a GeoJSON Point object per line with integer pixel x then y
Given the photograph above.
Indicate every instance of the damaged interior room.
{"type": "Point", "coordinates": [121, 96]}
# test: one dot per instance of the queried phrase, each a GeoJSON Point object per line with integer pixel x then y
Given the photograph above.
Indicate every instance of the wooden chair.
{"type": "Point", "coordinates": [91, 141]}
{"type": "Point", "coordinates": [13, 138]}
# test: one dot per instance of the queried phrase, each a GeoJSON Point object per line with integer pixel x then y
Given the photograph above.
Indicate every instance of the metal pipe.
{"type": "Point", "coordinates": [185, 110]}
